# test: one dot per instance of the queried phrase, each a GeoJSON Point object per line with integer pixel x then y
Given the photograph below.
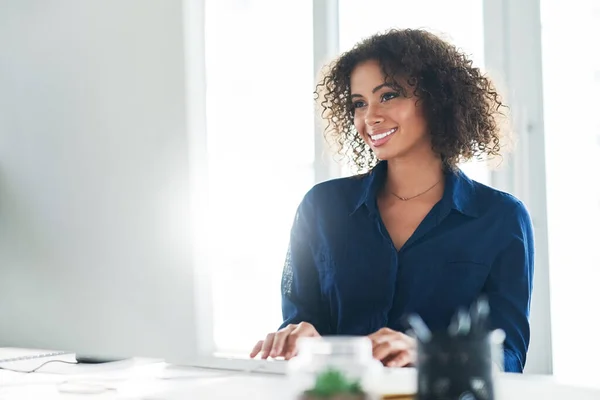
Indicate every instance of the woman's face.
{"type": "Point", "coordinates": [389, 120]}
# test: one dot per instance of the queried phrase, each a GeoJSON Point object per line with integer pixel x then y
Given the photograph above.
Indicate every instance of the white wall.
{"type": "Point", "coordinates": [95, 175]}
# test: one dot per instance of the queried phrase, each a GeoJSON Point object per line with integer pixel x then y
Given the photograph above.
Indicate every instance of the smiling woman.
{"type": "Point", "coordinates": [413, 234]}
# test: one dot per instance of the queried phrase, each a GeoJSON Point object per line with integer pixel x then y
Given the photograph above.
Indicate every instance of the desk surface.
{"type": "Point", "coordinates": [153, 380]}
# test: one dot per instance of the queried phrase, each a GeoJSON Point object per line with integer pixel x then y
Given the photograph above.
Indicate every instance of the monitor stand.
{"type": "Point", "coordinates": [85, 359]}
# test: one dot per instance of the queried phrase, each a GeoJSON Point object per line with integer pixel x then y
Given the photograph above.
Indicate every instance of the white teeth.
{"type": "Point", "coordinates": [382, 135]}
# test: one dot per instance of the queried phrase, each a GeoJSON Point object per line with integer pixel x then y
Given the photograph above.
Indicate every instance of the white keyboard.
{"type": "Point", "coordinates": [241, 364]}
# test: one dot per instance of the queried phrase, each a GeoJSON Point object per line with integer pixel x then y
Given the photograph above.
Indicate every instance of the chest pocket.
{"type": "Point", "coordinates": [454, 285]}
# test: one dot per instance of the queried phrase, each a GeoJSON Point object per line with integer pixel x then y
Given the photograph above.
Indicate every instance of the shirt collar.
{"type": "Point", "coordinates": [371, 183]}
{"type": "Point", "coordinates": [459, 192]}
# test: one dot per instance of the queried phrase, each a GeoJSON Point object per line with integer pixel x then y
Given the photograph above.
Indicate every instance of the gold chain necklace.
{"type": "Point", "coordinates": [417, 195]}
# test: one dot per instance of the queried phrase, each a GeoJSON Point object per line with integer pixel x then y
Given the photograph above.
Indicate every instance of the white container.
{"type": "Point", "coordinates": [334, 362]}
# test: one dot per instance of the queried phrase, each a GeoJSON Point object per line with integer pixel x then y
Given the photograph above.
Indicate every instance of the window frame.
{"type": "Point", "coordinates": [512, 46]}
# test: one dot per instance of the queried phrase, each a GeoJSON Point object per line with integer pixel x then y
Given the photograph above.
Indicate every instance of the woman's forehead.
{"type": "Point", "coordinates": [369, 75]}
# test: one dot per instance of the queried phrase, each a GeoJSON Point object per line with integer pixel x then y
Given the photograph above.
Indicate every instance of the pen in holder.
{"type": "Point", "coordinates": [457, 363]}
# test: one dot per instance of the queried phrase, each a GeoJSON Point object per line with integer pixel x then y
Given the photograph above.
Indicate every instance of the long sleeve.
{"type": "Point", "coordinates": [509, 289]}
{"type": "Point", "coordinates": [300, 285]}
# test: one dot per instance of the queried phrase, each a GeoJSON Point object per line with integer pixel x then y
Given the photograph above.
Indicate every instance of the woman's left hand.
{"type": "Point", "coordinates": [393, 349]}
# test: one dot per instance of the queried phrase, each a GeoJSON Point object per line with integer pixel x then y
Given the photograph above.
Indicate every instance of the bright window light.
{"type": "Point", "coordinates": [571, 78]}
{"type": "Point", "coordinates": [259, 62]}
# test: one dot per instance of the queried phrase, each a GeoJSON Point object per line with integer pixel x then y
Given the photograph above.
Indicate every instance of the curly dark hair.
{"type": "Point", "coordinates": [461, 105]}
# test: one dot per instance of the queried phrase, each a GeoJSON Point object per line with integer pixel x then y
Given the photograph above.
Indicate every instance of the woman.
{"type": "Point", "coordinates": [413, 234]}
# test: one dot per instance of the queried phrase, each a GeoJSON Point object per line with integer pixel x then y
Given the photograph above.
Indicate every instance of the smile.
{"type": "Point", "coordinates": [380, 136]}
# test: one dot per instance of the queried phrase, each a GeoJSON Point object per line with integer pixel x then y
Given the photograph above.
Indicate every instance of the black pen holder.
{"type": "Point", "coordinates": [455, 367]}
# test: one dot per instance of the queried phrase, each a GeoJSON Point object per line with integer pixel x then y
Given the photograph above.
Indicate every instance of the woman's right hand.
{"type": "Point", "coordinates": [283, 343]}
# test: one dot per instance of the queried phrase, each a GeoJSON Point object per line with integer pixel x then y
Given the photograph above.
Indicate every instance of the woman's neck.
{"type": "Point", "coordinates": [409, 177]}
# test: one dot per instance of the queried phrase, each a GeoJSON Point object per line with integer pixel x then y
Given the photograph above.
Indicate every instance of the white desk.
{"type": "Point", "coordinates": [153, 380]}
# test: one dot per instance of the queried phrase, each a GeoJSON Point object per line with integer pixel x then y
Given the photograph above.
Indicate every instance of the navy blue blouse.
{"type": "Point", "coordinates": [344, 275]}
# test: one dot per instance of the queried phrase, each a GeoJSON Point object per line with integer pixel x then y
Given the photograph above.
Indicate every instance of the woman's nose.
{"type": "Point", "coordinates": [373, 116]}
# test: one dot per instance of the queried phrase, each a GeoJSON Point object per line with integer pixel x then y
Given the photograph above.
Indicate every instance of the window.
{"type": "Point", "coordinates": [571, 77]}
{"type": "Point", "coordinates": [259, 73]}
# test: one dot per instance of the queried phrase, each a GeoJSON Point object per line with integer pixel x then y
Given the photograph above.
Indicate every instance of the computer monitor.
{"type": "Point", "coordinates": [96, 237]}
{"type": "Point", "coordinates": [102, 182]}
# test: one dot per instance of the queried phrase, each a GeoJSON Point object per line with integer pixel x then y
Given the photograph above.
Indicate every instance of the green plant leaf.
{"type": "Point", "coordinates": [333, 381]}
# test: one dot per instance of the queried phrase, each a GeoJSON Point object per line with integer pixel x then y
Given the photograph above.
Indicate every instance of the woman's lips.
{"type": "Point", "coordinates": [380, 138]}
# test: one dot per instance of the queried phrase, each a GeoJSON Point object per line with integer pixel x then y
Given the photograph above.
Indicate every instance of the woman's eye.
{"type": "Point", "coordinates": [358, 104]}
{"type": "Point", "coordinates": [388, 96]}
